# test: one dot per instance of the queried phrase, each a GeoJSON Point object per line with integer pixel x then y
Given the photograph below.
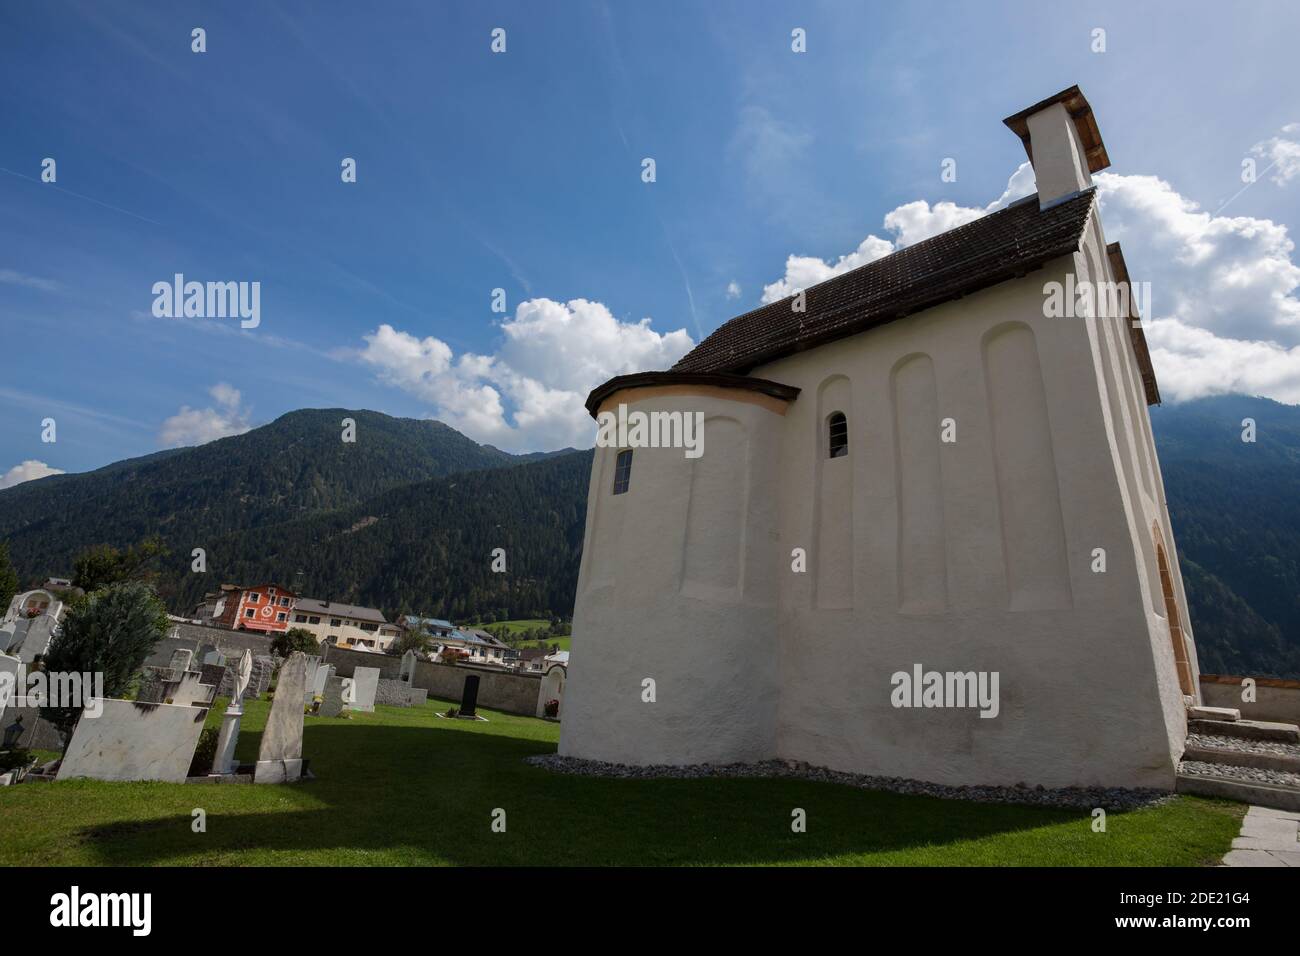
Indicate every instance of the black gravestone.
{"type": "Point", "coordinates": [469, 697]}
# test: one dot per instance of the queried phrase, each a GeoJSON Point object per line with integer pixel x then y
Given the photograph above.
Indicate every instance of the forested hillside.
{"type": "Point", "coordinates": [297, 465]}
{"type": "Point", "coordinates": [1235, 507]}
{"type": "Point", "coordinates": [426, 547]}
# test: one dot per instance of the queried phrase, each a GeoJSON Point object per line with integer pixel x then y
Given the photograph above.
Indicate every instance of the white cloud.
{"type": "Point", "coordinates": [733, 289]}
{"type": "Point", "coordinates": [197, 426]}
{"type": "Point", "coordinates": [27, 471]}
{"type": "Point", "coordinates": [910, 223]}
{"type": "Point", "coordinates": [13, 277]}
{"type": "Point", "coordinates": [529, 394]}
{"type": "Point", "coordinates": [1282, 155]}
{"type": "Point", "coordinates": [804, 271]}
{"type": "Point", "coordinates": [1224, 315]}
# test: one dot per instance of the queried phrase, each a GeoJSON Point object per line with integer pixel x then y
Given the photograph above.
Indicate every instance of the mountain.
{"type": "Point", "coordinates": [297, 465]}
{"type": "Point", "coordinates": [426, 547]}
{"type": "Point", "coordinates": [1235, 507]}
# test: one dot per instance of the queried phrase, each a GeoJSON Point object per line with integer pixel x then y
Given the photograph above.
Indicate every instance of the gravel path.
{"type": "Point", "coordinates": [1081, 798]}
{"type": "Point", "coordinates": [1248, 774]}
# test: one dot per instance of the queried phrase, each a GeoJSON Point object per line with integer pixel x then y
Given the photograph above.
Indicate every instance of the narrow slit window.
{"type": "Point", "coordinates": [837, 427]}
{"type": "Point", "coordinates": [622, 471]}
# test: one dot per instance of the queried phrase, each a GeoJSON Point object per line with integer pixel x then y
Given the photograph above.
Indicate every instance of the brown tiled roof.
{"type": "Point", "coordinates": [598, 394]}
{"type": "Point", "coordinates": [996, 247]}
{"type": "Point", "coordinates": [1120, 270]}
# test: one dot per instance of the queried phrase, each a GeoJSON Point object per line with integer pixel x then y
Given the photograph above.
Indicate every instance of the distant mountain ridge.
{"type": "Point", "coordinates": [292, 467]}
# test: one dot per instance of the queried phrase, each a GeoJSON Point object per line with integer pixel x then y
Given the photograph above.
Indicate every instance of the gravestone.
{"type": "Point", "coordinates": [552, 688]}
{"type": "Point", "coordinates": [323, 673]}
{"type": "Point", "coordinates": [365, 683]}
{"type": "Point", "coordinates": [407, 673]}
{"type": "Point", "coordinates": [399, 693]}
{"type": "Point", "coordinates": [131, 740]}
{"type": "Point", "coordinates": [309, 684]}
{"type": "Point", "coordinates": [338, 696]}
{"type": "Point", "coordinates": [214, 658]}
{"type": "Point", "coordinates": [212, 674]}
{"type": "Point", "coordinates": [469, 696]}
{"type": "Point", "coordinates": [9, 667]}
{"type": "Point", "coordinates": [279, 759]}
{"type": "Point", "coordinates": [224, 763]}
{"type": "Point", "coordinates": [181, 659]}
{"type": "Point", "coordinates": [191, 690]}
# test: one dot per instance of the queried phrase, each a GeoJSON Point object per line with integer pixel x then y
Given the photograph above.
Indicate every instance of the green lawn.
{"type": "Point", "coordinates": [562, 641]}
{"type": "Point", "coordinates": [403, 786]}
{"type": "Point", "coordinates": [515, 627]}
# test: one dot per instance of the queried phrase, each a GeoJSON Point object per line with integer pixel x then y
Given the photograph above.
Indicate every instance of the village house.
{"type": "Point", "coordinates": [911, 468]}
{"type": "Point", "coordinates": [345, 625]}
{"type": "Point", "coordinates": [265, 608]}
{"type": "Point", "coordinates": [433, 626]}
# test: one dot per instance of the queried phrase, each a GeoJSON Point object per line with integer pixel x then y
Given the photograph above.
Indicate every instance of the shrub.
{"type": "Point", "coordinates": [205, 753]}
{"type": "Point", "coordinates": [551, 708]}
{"type": "Point", "coordinates": [295, 639]}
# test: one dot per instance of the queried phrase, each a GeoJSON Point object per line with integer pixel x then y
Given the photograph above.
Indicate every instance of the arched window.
{"type": "Point", "coordinates": [837, 433]}
{"type": "Point", "coordinates": [622, 471]}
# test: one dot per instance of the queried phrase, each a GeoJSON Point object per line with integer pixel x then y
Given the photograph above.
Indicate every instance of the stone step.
{"type": "Point", "coordinates": [1243, 758]}
{"type": "Point", "coordinates": [1213, 713]}
{"type": "Point", "coordinates": [1247, 729]}
{"type": "Point", "coordinates": [1245, 791]}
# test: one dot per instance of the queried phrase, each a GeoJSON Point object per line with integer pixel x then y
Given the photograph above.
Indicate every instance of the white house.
{"type": "Point", "coordinates": [345, 625]}
{"type": "Point", "coordinates": [914, 467]}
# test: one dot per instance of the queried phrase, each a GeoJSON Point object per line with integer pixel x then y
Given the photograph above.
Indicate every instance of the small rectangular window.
{"type": "Point", "coordinates": [281, 616]}
{"type": "Point", "coordinates": [250, 613]}
{"type": "Point", "coordinates": [622, 471]}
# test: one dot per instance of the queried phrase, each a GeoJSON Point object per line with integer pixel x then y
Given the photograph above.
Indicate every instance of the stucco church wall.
{"type": "Point", "coordinates": [678, 586]}
{"type": "Point", "coordinates": [1021, 597]}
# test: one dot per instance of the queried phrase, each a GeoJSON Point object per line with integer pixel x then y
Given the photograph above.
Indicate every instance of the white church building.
{"type": "Point", "coordinates": [916, 466]}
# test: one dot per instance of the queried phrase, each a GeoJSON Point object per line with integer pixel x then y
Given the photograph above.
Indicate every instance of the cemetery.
{"type": "Point", "coordinates": [357, 758]}
{"type": "Point", "coordinates": [400, 786]}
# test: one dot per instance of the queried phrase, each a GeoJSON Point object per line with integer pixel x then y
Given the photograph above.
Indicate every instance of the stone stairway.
{"type": "Point", "coordinates": [1254, 761]}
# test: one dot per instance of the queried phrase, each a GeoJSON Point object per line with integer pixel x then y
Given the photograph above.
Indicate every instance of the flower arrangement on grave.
{"type": "Point", "coordinates": [551, 708]}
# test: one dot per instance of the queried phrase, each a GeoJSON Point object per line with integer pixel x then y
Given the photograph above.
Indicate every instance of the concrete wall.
{"type": "Point", "coordinates": [346, 661]}
{"type": "Point", "coordinates": [511, 693]}
{"type": "Point", "coordinates": [497, 690]}
{"type": "Point", "coordinates": [1274, 699]}
{"type": "Point", "coordinates": [193, 636]}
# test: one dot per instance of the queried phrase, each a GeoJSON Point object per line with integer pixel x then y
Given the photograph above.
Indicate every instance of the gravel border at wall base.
{"type": "Point", "coordinates": [1277, 778]}
{"type": "Point", "coordinates": [1241, 745]}
{"type": "Point", "coordinates": [1078, 798]}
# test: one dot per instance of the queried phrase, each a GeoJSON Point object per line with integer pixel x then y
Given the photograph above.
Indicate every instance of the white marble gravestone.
{"type": "Point", "coordinates": [279, 759]}
{"type": "Point", "coordinates": [552, 688]}
{"type": "Point", "coordinates": [309, 684]}
{"type": "Point", "coordinates": [9, 689]}
{"type": "Point", "coordinates": [134, 741]}
{"type": "Point", "coordinates": [224, 763]}
{"type": "Point", "coordinates": [365, 681]}
{"type": "Point", "coordinates": [323, 673]}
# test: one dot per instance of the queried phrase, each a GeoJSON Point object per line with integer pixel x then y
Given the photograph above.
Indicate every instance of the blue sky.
{"type": "Point", "coordinates": [522, 171]}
